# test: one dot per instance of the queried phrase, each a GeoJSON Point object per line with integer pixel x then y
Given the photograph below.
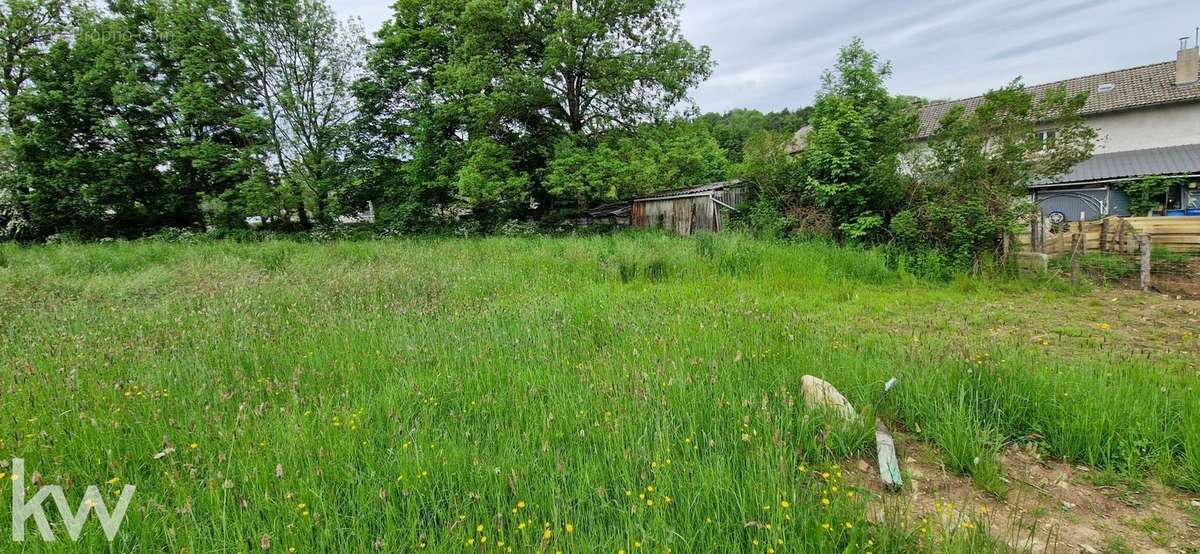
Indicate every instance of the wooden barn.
{"type": "Point", "coordinates": [687, 211]}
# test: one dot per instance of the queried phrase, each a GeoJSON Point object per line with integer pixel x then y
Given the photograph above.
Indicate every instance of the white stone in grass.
{"type": "Point", "coordinates": [819, 394]}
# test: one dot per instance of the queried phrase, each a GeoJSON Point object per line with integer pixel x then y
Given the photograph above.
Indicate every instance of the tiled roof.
{"type": "Point", "coordinates": [1136, 87]}
{"type": "Point", "coordinates": [1174, 160]}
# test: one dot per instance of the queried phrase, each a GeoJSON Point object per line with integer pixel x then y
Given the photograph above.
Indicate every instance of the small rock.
{"type": "Point", "coordinates": [1089, 549]}
{"type": "Point", "coordinates": [1196, 503]}
{"type": "Point", "coordinates": [863, 466]}
{"type": "Point", "coordinates": [1068, 505]}
{"type": "Point", "coordinates": [821, 395]}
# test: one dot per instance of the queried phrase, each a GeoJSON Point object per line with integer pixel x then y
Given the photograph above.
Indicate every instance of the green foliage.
{"type": "Point", "coordinates": [130, 132]}
{"type": "Point", "coordinates": [494, 106]}
{"type": "Point", "coordinates": [970, 446]}
{"type": "Point", "coordinates": [978, 169]}
{"type": "Point", "coordinates": [301, 63]}
{"type": "Point", "coordinates": [736, 128]}
{"type": "Point", "coordinates": [771, 173]}
{"type": "Point", "coordinates": [621, 165]}
{"type": "Point", "coordinates": [852, 155]}
{"type": "Point", "coordinates": [1148, 194]}
{"type": "Point", "coordinates": [27, 29]}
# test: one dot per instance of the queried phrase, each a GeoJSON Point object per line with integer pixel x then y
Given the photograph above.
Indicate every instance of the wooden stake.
{"type": "Point", "coordinates": [1104, 235]}
{"type": "Point", "coordinates": [1143, 242]}
{"type": "Point", "coordinates": [1075, 259]}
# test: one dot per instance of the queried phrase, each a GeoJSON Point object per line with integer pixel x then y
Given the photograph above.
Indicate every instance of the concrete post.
{"type": "Point", "coordinates": [1143, 242]}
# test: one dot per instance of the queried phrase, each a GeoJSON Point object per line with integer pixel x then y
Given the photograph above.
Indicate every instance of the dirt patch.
{"type": "Point", "coordinates": [1050, 506]}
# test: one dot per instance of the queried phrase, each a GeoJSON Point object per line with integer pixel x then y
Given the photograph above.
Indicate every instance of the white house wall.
{"type": "Point", "coordinates": [1174, 125]}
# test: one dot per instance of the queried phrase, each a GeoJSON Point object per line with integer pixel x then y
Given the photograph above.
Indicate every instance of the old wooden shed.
{"type": "Point", "coordinates": [688, 211]}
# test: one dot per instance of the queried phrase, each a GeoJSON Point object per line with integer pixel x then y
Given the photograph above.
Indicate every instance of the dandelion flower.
{"type": "Point", "coordinates": [570, 528]}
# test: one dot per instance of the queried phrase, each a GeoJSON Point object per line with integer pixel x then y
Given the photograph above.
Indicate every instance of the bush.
{"type": "Point", "coordinates": [763, 219]}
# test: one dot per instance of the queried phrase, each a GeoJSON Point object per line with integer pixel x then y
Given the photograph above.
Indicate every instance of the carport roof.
{"type": "Point", "coordinates": [1173, 160]}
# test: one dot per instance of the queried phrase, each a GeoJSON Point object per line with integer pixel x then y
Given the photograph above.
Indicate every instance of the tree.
{"type": "Point", "coordinates": [69, 158]}
{"type": "Point", "coordinates": [303, 63]}
{"type": "Point", "coordinates": [621, 165]}
{"type": "Point", "coordinates": [215, 140]}
{"type": "Point", "coordinates": [734, 129]}
{"type": "Point", "coordinates": [852, 157]}
{"type": "Point", "coordinates": [133, 122]}
{"type": "Point", "coordinates": [27, 29]}
{"type": "Point", "coordinates": [980, 165]}
{"type": "Point", "coordinates": [475, 97]}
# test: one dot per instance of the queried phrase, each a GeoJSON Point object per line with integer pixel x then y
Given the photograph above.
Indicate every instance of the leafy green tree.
{"type": "Point", "coordinates": [852, 157]}
{"type": "Point", "coordinates": [980, 165]}
{"type": "Point", "coordinates": [27, 29]}
{"type": "Point", "coordinates": [620, 164]}
{"type": "Point", "coordinates": [302, 64]}
{"type": "Point", "coordinates": [69, 164]}
{"type": "Point", "coordinates": [215, 139]}
{"type": "Point", "coordinates": [734, 129]}
{"type": "Point", "coordinates": [470, 100]}
{"type": "Point", "coordinates": [135, 120]}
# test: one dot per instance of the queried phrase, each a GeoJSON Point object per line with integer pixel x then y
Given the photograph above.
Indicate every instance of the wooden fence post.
{"type": "Point", "coordinates": [1143, 242]}
{"type": "Point", "coordinates": [1104, 235]}
{"type": "Point", "coordinates": [1075, 240]}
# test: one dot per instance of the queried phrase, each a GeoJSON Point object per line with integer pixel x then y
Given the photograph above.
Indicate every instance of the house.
{"type": "Point", "coordinates": [687, 211]}
{"type": "Point", "coordinates": [1148, 123]}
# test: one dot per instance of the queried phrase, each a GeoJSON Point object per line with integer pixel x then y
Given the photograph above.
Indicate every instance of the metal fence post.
{"type": "Point", "coordinates": [1143, 242]}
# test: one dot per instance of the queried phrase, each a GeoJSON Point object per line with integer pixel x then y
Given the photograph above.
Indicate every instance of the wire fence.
{"type": "Point", "coordinates": [1154, 254]}
{"type": "Point", "coordinates": [1138, 263]}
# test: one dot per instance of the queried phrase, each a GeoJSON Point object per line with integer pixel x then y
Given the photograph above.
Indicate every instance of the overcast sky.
{"type": "Point", "coordinates": [770, 53]}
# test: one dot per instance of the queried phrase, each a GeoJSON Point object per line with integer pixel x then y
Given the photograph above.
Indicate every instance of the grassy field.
{"type": "Point", "coordinates": [630, 393]}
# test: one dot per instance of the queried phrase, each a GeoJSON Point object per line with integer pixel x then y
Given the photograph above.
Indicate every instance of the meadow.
{"type": "Point", "coordinates": [628, 393]}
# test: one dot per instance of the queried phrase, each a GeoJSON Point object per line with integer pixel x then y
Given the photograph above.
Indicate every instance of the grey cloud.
{"type": "Point", "coordinates": [771, 53]}
{"type": "Point", "coordinates": [1042, 44]}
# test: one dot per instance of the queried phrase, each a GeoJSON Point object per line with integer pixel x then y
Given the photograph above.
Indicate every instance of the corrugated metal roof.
{"type": "Point", "coordinates": [1174, 160]}
{"type": "Point", "coordinates": [690, 191]}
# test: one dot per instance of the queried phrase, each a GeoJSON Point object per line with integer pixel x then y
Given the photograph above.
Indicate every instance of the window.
{"type": "Point", "coordinates": [1044, 137]}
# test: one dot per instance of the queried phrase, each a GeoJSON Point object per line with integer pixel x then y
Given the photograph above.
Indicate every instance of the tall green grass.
{"type": "Point", "coordinates": [641, 389]}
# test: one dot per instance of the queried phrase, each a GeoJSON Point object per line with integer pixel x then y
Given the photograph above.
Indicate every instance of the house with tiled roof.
{"type": "Point", "coordinates": [1147, 120]}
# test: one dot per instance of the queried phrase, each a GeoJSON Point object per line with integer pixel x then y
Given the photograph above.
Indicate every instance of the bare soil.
{"type": "Point", "coordinates": [1050, 506]}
